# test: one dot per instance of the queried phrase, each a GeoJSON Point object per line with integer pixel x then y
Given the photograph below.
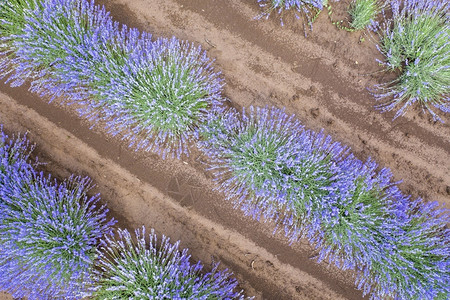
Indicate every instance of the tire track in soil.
{"type": "Point", "coordinates": [135, 187]}
{"type": "Point", "coordinates": [316, 78]}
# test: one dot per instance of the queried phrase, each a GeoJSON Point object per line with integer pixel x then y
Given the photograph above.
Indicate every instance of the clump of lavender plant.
{"type": "Point", "coordinates": [356, 226]}
{"type": "Point", "coordinates": [415, 44]}
{"type": "Point", "coordinates": [363, 13]}
{"type": "Point", "coordinates": [416, 265]}
{"type": "Point", "coordinates": [142, 269]}
{"type": "Point", "coordinates": [166, 93]}
{"type": "Point", "coordinates": [270, 166]}
{"type": "Point", "coordinates": [305, 8]}
{"type": "Point", "coordinates": [59, 38]}
{"type": "Point", "coordinates": [48, 230]}
{"type": "Point", "coordinates": [13, 14]}
{"type": "Point", "coordinates": [70, 48]}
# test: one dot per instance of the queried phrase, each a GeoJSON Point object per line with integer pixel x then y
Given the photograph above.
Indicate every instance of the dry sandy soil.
{"type": "Point", "coordinates": [322, 78]}
{"type": "Point", "coordinates": [5, 296]}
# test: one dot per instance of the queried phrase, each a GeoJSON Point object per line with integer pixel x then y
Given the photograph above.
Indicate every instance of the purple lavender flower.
{"type": "Point", "coordinates": [48, 230]}
{"type": "Point", "coordinates": [14, 152]}
{"type": "Point", "coordinates": [131, 268]}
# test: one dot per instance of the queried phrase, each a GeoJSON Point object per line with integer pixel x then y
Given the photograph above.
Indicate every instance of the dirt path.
{"type": "Point", "coordinates": [323, 79]}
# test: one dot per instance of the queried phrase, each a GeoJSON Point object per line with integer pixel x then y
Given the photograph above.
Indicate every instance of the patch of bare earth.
{"type": "Point", "coordinates": [323, 79]}
{"type": "Point", "coordinates": [5, 296]}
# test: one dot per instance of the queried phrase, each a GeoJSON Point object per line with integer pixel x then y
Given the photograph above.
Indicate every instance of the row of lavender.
{"type": "Point", "coordinates": [162, 94]}
{"type": "Point", "coordinates": [56, 243]}
{"type": "Point", "coordinates": [413, 38]}
{"type": "Point", "coordinates": [311, 187]}
{"type": "Point", "coordinates": [158, 90]}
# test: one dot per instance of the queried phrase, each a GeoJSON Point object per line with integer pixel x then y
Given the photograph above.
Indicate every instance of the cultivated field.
{"type": "Point", "coordinates": [322, 78]}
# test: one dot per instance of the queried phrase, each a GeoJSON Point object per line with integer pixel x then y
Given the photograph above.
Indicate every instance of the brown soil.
{"type": "Point", "coordinates": [321, 78]}
{"type": "Point", "coordinates": [5, 296]}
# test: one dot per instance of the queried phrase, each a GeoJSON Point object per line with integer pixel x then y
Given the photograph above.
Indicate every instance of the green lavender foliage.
{"type": "Point", "coordinates": [415, 44]}
{"type": "Point", "coordinates": [142, 268]}
{"type": "Point", "coordinates": [362, 13]}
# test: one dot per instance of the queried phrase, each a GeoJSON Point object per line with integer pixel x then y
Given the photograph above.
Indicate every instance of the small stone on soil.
{"type": "Point", "coordinates": [315, 112]}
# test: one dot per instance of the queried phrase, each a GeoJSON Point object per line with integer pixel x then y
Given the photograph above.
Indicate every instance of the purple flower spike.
{"type": "Point", "coordinates": [301, 8]}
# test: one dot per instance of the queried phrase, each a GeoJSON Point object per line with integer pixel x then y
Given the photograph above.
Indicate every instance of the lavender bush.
{"type": "Point", "coordinates": [54, 35]}
{"type": "Point", "coordinates": [361, 227]}
{"type": "Point", "coordinates": [165, 93]}
{"type": "Point", "coordinates": [415, 44]}
{"type": "Point", "coordinates": [154, 94]}
{"type": "Point", "coordinates": [48, 230]}
{"type": "Point", "coordinates": [352, 212]}
{"type": "Point", "coordinates": [416, 263]}
{"type": "Point", "coordinates": [139, 269]}
{"type": "Point", "coordinates": [363, 13]}
{"type": "Point", "coordinates": [12, 22]}
{"type": "Point", "coordinates": [270, 165]}
{"type": "Point", "coordinates": [301, 8]}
